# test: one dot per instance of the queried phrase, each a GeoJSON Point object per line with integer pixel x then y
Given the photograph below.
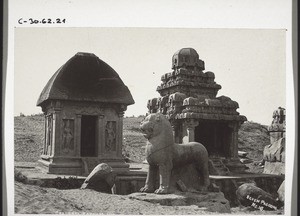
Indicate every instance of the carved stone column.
{"type": "Point", "coordinates": [48, 135]}
{"type": "Point", "coordinates": [120, 134]}
{"type": "Point", "coordinates": [191, 124]}
{"type": "Point", "coordinates": [101, 135]}
{"type": "Point", "coordinates": [77, 137]}
{"type": "Point", "coordinates": [234, 126]}
{"type": "Point", "coordinates": [56, 133]}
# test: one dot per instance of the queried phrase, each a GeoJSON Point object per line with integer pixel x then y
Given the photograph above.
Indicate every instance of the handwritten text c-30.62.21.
{"type": "Point", "coordinates": [41, 21]}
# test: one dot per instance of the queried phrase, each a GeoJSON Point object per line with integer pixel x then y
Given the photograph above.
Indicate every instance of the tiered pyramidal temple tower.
{"type": "Point", "coordinates": [188, 99]}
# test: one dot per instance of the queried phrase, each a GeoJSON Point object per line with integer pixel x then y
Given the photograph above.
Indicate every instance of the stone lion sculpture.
{"type": "Point", "coordinates": [163, 155]}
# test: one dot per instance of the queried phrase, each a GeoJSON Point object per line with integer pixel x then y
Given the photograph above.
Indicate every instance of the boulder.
{"type": "Point", "coordinates": [250, 195]}
{"type": "Point", "coordinates": [101, 179]}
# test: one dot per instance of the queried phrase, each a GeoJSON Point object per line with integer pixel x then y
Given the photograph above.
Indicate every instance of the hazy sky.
{"type": "Point", "coordinates": [248, 64]}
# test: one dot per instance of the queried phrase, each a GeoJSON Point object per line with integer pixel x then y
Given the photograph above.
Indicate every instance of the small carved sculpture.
{"type": "Point", "coordinates": [67, 136]}
{"type": "Point", "coordinates": [110, 136]}
{"type": "Point", "coordinates": [163, 154]}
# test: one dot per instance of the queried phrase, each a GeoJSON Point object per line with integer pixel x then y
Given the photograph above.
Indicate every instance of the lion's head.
{"type": "Point", "coordinates": [155, 124]}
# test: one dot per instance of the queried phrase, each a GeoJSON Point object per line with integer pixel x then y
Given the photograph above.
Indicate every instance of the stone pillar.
{"type": "Point", "coordinates": [119, 142]}
{"type": "Point", "coordinates": [56, 133]}
{"type": "Point", "coordinates": [234, 126]}
{"type": "Point", "coordinates": [46, 136]}
{"type": "Point", "coordinates": [48, 141]}
{"type": "Point", "coordinates": [191, 124]}
{"type": "Point", "coordinates": [77, 137]}
{"type": "Point", "coordinates": [101, 135]}
{"type": "Point", "coordinates": [234, 164]}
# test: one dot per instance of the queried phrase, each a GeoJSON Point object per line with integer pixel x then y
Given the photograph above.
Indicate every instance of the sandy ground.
{"type": "Point", "coordinates": [31, 199]}
{"type": "Point", "coordinates": [34, 199]}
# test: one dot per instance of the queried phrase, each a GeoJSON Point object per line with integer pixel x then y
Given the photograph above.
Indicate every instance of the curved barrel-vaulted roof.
{"type": "Point", "coordinates": [85, 77]}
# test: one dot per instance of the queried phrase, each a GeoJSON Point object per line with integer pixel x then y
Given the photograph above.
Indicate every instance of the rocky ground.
{"type": "Point", "coordinates": [34, 199]}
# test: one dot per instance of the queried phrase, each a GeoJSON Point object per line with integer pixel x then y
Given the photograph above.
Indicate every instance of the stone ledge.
{"type": "Point", "coordinates": [210, 201]}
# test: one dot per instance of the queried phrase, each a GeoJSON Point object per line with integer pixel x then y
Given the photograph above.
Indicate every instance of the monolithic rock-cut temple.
{"type": "Point", "coordinates": [277, 127]}
{"type": "Point", "coordinates": [188, 99]}
{"type": "Point", "coordinates": [84, 104]}
{"type": "Point", "coordinates": [274, 154]}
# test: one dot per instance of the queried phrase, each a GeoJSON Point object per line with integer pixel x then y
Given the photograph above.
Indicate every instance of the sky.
{"type": "Point", "coordinates": [249, 64]}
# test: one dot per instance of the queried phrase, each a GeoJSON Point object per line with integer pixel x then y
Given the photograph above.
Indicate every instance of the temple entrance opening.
{"type": "Point", "coordinates": [88, 136]}
{"type": "Point", "coordinates": [215, 136]}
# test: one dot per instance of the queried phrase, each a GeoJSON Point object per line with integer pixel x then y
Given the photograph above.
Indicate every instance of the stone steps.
{"type": "Point", "coordinates": [218, 167]}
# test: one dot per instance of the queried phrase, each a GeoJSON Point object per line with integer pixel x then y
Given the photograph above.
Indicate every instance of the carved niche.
{"type": "Point", "coordinates": [68, 135]}
{"type": "Point", "coordinates": [110, 136]}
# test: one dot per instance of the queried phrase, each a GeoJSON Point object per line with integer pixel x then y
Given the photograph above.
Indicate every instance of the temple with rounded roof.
{"type": "Point", "coordinates": [84, 104]}
{"type": "Point", "coordinates": [188, 98]}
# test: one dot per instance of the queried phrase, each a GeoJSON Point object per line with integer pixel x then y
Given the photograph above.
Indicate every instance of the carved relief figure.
{"type": "Point", "coordinates": [68, 135]}
{"type": "Point", "coordinates": [110, 136]}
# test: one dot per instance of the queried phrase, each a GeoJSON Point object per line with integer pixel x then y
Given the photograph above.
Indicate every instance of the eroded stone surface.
{"type": "Point", "coordinates": [212, 201]}
{"type": "Point", "coordinates": [275, 151]}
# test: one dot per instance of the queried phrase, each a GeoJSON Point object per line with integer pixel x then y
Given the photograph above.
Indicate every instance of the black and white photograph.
{"type": "Point", "coordinates": [155, 120]}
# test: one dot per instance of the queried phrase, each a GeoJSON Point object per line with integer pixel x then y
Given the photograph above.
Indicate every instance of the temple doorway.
{"type": "Point", "coordinates": [88, 136]}
{"type": "Point", "coordinates": [215, 136]}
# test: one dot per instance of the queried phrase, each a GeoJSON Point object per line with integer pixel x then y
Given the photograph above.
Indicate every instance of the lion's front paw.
{"type": "Point", "coordinates": [147, 189]}
{"type": "Point", "coordinates": [162, 190]}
